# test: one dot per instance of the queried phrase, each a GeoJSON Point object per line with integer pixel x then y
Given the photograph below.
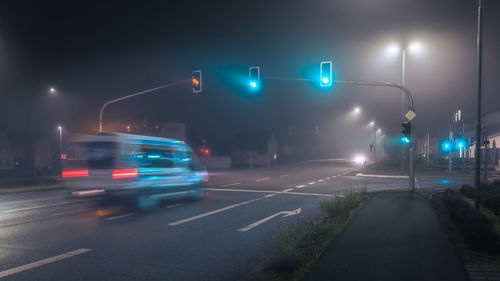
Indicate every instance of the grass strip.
{"type": "Point", "coordinates": [298, 247]}
{"type": "Point", "coordinates": [11, 190]}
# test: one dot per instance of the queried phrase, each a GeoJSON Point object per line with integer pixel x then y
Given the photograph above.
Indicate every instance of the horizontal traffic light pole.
{"type": "Point", "coordinates": [134, 95]}
{"type": "Point", "coordinates": [361, 83]}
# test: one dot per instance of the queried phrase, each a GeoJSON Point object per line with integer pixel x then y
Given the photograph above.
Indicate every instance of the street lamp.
{"type": "Point", "coordinates": [356, 110]}
{"type": "Point", "coordinates": [52, 91]}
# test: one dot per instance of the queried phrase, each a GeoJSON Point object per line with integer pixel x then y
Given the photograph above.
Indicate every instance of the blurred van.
{"type": "Point", "coordinates": [140, 169]}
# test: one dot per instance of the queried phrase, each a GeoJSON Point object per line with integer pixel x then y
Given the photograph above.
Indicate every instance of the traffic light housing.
{"type": "Point", "coordinates": [406, 138]}
{"type": "Point", "coordinates": [325, 74]}
{"type": "Point", "coordinates": [254, 77]}
{"type": "Point", "coordinates": [196, 81]}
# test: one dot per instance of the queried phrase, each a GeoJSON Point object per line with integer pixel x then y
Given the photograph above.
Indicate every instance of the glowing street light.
{"type": "Point", "coordinates": [356, 110]}
{"type": "Point", "coordinates": [371, 123]}
{"type": "Point", "coordinates": [52, 91]}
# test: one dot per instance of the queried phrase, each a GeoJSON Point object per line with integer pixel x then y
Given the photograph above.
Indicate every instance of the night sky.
{"type": "Point", "coordinates": [92, 52]}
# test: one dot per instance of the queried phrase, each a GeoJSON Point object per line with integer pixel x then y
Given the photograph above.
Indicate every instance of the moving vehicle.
{"type": "Point", "coordinates": [139, 169]}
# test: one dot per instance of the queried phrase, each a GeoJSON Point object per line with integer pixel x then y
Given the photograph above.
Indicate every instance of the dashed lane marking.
{"type": "Point", "coordinates": [231, 184]}
{"type": "Point", "coordinates": [36, 207]}
{"type": "Point", "coordinates": [320, 180]}
{"type": "Point", "coordinates": [43, 262]}
{"type": "Point", "coordinates": [213, 212]}
{"type": "Point", "coordinates": [301, 186]}
{"type": "Point", "coordinates": [269, 195]}
{"type": "Point", "coordinates": [282, 176]}
{"type": "Point", "coordinates": [174, 205]}
{"type": "Point", "coordinates": [263, 179]}
{"type": "Point", "coordinates": [313, 182]}
{"type": "Point", "coordinates": [286, 190]}
{"type": "Point", "coordinates": [121, 216]}
{"type": "Point", "coordinates": [274, 192]}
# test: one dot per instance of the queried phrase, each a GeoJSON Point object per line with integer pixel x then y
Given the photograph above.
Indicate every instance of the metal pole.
{"type": "Point", "coordinates": [477, 173]}
{"type": "Point", "coordinates": [60, 149]}
{"type": "Point", "coordinates": [133, 95]}
{"type": "Point", "coordinates": [403, 83]}
{"type": "Point", "coordinates": [450, 153]}
{"type": "Point", "coordinates": [486, 148]}
{"type": "Point", "coordinates": [374, 144]}
{"type": "Point", "coordinates": [412, 174]}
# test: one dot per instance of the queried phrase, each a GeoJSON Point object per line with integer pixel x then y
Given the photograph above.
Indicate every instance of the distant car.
{"type": "Point", "coordinates": [139, 169]}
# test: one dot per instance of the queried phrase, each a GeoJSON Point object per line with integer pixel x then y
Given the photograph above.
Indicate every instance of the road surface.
{"type": "Point", "coordinates": [47, 236]}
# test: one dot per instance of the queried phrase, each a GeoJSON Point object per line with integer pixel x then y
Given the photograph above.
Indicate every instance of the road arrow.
{"type": "Point", "coordinates": [285, 213]}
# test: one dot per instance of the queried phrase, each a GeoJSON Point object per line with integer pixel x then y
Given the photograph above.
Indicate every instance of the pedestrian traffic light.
{"type": "Point", "coordinates": [325, 74]}
{"type": "Point", "coordinates": [406, 138]}
{"type": "Point", "coordinates": [196, 81]}
{"type": "Point", "coordinates": [460, 143]}
{"type": "Point", "coordinates": [254, 77]}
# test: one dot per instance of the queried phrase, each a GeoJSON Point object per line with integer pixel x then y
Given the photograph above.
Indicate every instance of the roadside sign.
{"type": "Point", "coordinates": [410, 115]}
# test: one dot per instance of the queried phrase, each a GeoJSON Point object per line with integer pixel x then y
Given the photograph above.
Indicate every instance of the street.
{"type": "Point", "coordinates": [48, 236]}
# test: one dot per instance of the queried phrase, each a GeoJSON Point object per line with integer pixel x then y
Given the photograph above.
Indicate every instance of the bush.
{"type": "Point", "coordinates": [468, 191]}
{"type": "Point", "coordinates": [297, 247]}
{"type": "Point", "coordinates": [477, 230]}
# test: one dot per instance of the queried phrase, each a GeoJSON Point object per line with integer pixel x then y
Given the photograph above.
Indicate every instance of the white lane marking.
{"type": "Point", "coordinates": [269, 195]}
{"type": "Point", "coordinates": [231, 184]}
{"type": "Point", "coordinates": [33, 200]}
{"type": "Point", "coordinates": [282, 176]}
{"type": "Point", "coordinates": [214, 212]}
{"type": "Point", "coordinates": [273, 192]}
{"type": "Point", "coordinates": [320, 180]}
{"type": "Point", "coordinates": [334, 176]}
{"type": "Point", "coordinates": [174, 205]}
{"type": "Point", "coordinates": [263, 179]}
{"type": "Point", "coordinates": [119, 217]}
{"type": "Point", "coordinates": [69, 212]}
{"type": "Point", "coordinates": [382, 176]}
{"type": "Point", "coordinates": [43, 262]}
{"type": "Point", "coordinates": [313, 182]}
{"type": "Point", "coordinates": [301, 186]}
{"type": "Point", "coordinates": [257, 223]}
{"type": "Point", "coordinates": [328, 178]}
{"type": "Point", "coordinates": [286, 190]}
{"type": "Point", "coordinates": [36, 207]}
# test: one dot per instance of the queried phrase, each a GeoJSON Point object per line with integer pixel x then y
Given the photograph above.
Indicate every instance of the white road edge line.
{"type": "Point", "coordinates": [214, 211]}
{"type": "Point", "coordinates": [36, 207]}
{"type": "Point", "coordinates": [231, 184]}
{"type": "Point", "coordinates": [263, 179]}
{"type": "Point", "coordinates": [269, 195]}
{"type": "Point", "coordinates": [119, 217]}
{"type": "Point", "coordinates": [43, 262]}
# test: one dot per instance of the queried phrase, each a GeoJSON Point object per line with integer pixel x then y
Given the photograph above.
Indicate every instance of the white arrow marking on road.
{"type": "Point", "coordinates": [285, 213]}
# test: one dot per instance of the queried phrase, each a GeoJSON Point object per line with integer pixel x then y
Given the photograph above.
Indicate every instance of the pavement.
{"type": "Point", "coordinates": [47, 236]}
{"type": "Point", "coordinates": [395, 236]}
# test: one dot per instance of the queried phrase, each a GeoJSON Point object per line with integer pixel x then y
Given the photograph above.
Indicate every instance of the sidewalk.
{"type": "Point", "coordinates": [395, 236]}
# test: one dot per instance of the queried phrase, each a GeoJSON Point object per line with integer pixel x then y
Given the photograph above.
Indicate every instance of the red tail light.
{"type": "Point", "coordinates": [75, 173]}
{"type": "Point", "coordinates": [124, 173]}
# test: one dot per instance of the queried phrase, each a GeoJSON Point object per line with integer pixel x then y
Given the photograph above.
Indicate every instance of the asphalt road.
{"type": "Point", "coordinates": [47, 236]}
